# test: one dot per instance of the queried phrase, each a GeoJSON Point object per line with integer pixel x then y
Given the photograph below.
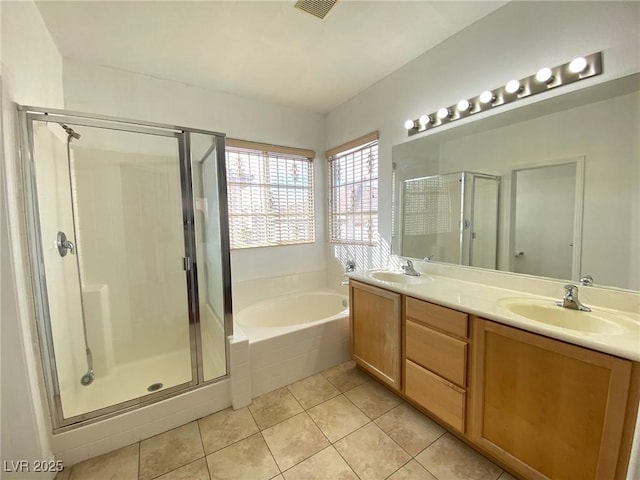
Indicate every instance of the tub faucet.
{"type": "Point", "coordinates": [409, 270]}
{"type": "Point", "coordinates": [350, 266]}
{"type": "Point", "coordinates": [570, 299]}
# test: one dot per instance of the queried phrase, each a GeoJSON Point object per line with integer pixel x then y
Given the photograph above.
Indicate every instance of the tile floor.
{"type": "Point", "coordinates": [336, 425]}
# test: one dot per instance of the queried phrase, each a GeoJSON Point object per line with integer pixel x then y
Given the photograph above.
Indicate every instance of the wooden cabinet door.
{"type": "Point", "coordinates": [547, 408]}
{"type": "Point", "coordinates": [375, 331]}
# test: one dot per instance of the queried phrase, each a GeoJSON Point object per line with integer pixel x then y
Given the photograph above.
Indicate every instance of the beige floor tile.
{"type": "Point", "coordinates": [248, 459]}
{"type": "Point", "coordinates": [410, 429]}
{"type": "Point", "coordinates": [197, 470]}
{"type": "Point", "coordinates": [294, 440]}
{"type": "Point", "coordinates": [274, 407]}
{"type": "Point", "coordinates": [346, 376]}
{"type": "Point", "coordinates": [170, 450]}
{"type": "Point", "coordinates": [64, 474]}
{"type": "Point", "coordinates": [312, 391]}
{"type": "Point", "coordinates": [338, 417]}
{"type": "Point", "coordinates": [278, 477]}
{"type": "Point", "coordinates": [373, 399]}
{"type": "Point", "coordinates": [324, 465]}
{"type": "Point", "coordinates": [506, 476]}
{"type": "Point", "coordinates": [226, 427]}
{"type": "Point", "coordinates": [450, 459]}
{"type": "Point", "coordinates": [371, 453]}
{"type": "Point", "coordinates": [120, 464]}
{"type": "Point", "coordinates": [412, 471]}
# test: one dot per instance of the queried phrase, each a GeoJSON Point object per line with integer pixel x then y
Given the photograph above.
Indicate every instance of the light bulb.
{"type": "Point", "coordinates": [409, 124]}
{"type": "Point", "coordinates": [487, 97]}
{"type": "Point", "coordinates": [544, 75]}
{"type": "Point", "coordinates": [424, 120]}
{"type": "Point", "coordinates": [443, 113]}
{"type": "Point", "coordinates": [464, 105]}
{"type": "Point", "coordinates": [513, 86]}
{"type": "Point", "coordinates": [578, 65]}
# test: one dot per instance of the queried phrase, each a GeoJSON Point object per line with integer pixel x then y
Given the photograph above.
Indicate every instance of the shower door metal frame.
{"type": "Point", "coordinates": [27, 115]}
{"type": "Point", "coordinates": [472, 209]}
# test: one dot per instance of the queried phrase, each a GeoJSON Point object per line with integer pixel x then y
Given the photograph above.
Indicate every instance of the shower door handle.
{"type": "Point", "coordinates": [64, 245]}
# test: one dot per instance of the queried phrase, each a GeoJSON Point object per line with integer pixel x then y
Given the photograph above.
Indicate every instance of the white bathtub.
{"type": "Point", "coordinates": [293, 310]}
{"type": "Point", "coordinates": [294, 336]}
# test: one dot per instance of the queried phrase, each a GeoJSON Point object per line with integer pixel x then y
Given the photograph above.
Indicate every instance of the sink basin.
{"type": "Point", "coordinates": [597, 321]}
{"type": "Point", "coordinates": [395, 277]}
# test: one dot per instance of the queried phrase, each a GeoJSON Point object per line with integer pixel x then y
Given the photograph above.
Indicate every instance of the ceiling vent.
{"type": "Point", "coordinates": [317, 8]}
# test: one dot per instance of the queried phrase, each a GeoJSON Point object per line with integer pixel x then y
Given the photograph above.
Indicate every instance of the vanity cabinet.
{"type": "Point", "coordinates": [435, 359]}
{"type": "Point", "coordinates": [375, 331]}
{"type": "Point", "coordinates": [547, 408]}
{"type": "Point", "coordinates": [543, 408]}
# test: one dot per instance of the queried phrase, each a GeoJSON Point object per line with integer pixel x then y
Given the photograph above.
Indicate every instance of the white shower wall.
{"type": "Point", "coordinates": [54, 201]}
{"type": "Point", "coordinates": [128, 243]}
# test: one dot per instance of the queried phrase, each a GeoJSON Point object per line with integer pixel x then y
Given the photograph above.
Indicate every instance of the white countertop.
{"type": "Point", "coordinates": [483, 301]}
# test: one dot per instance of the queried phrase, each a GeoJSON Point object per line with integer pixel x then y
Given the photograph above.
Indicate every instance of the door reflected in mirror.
{"type": "Point", "coordinates": [545, 233]}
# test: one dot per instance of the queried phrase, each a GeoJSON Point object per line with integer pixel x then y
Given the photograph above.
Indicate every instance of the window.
{"type": "Point", "coordinates": [270, 195]}
{"type": "Point", "coordinates": [353, 191]}
{"type": "Point", "coordinates": [427, 206]}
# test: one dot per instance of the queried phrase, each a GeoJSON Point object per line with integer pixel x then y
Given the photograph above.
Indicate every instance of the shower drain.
{"type": "Point", "coordinates": [154, 387]}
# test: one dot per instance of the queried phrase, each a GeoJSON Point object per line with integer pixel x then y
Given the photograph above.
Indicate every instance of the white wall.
{"type": "Point", "coordinates": [512, 42]}
{"type": "Point", "coordinates": [90, 88]}
{"type": "Point", "coordinates": [31, 74]}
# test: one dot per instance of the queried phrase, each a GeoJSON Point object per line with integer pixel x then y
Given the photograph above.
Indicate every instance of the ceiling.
{"type": "Point", "coordinates": [265, 50]}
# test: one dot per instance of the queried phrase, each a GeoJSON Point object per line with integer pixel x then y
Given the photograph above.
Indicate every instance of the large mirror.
{"type": "Point", "coordinates": [550, 189]}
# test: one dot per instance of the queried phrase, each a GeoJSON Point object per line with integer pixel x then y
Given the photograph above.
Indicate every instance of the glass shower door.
{"type": "Point", "coordinates": [115, 282]}
{"type": "Point", "coordinates": [210, 220]}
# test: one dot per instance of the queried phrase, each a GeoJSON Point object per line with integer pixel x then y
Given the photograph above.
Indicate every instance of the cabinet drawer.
{"type": "Point", "coordinates": [440, 353]}
{"type": "Point", "coordinates": [442, 318]}
{"type": "Point", "coordinates": [438, 396]}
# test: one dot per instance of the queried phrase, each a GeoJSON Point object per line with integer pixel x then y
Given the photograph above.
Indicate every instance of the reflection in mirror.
{"type": "Point", "coordinates": [451, 218]}
{"type": "Point", "coordinates": [569, 188]}
{"type": "Point", "coordinates": [548, 251]}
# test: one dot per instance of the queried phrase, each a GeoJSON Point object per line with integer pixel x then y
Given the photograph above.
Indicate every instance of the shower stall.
{"type": "Point", "coordinates": [451, 218]}
{"type": "Point", "coordinates": [127, 226]}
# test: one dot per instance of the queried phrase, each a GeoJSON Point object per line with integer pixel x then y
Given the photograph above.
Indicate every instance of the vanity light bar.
{"type": "Point", "coordinates": [544, 79]}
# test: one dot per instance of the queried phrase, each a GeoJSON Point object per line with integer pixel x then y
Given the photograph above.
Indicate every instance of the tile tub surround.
{"type": "Point", "coordinates": [280, 356]}
{"type": "Point", "coordinates": [350, 431]}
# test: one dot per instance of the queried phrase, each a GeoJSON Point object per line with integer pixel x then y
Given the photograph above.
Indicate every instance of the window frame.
{"type": "Point", "coordinates": [354, 152]}
{"type": "Point", "coordinates": [276, 220]}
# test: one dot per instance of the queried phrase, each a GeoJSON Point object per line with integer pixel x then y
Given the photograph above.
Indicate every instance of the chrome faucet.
{"type": "Point", "coordinates": [349, 267]}
{"type": "Point", "coordinates": [587, 280]}
{"type": "Point", "coordinates": [570, 299]}
{"type": "Point", "coordinates": [409, 270]}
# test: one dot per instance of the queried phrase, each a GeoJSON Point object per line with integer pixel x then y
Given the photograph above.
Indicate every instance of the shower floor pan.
{"type": "Point", "coordinates": [132, 380]}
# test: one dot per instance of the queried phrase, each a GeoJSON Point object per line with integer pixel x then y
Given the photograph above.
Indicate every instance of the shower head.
{"type": "Point", "coordinates": [71, 132]}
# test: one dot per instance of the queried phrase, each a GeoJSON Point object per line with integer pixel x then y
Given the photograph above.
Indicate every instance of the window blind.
{"type": "Point", "coordinates": [353, 191]}
{"type": "Point", "coordinates": [270, 197]}
{"type": "Point", "coordinates": [426, 206]}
